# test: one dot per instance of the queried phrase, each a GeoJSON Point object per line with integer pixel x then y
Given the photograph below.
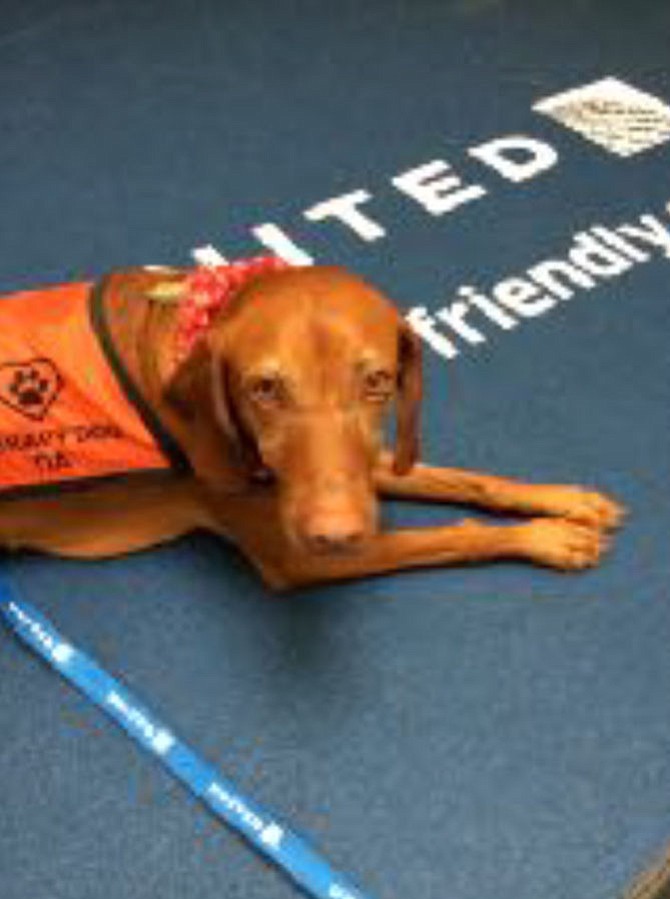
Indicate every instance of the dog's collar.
{"type": "Point", "coordinates": [208, 289]}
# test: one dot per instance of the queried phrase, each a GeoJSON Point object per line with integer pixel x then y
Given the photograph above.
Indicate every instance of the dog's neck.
{"type": "Point", "coordinates": [143, 323]}
{"type": "Point", "coordinates": [142, 327]}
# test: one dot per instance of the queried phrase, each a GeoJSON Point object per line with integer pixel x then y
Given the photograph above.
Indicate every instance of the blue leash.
{"type": "Point", "coordinates": [270, 837]}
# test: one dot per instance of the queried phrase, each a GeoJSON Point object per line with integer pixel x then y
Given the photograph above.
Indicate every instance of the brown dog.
{"type": "Point", "coordinates": [279, 412]}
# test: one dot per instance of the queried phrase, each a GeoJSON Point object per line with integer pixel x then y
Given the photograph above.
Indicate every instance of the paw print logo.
{"type": "Point", "coordinates": [30, 388]}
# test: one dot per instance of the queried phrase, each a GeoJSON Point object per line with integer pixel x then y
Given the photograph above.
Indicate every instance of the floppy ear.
{"type": "Point", "coordinates": [408, 405]}
{"type": "Point", "coordinates": [201, 394]}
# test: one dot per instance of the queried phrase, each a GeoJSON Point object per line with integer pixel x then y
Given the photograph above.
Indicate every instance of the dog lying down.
{"type": "Point", "coordinates": [247, 400]}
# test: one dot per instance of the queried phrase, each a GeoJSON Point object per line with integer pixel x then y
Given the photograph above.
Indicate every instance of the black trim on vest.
{"type": "Point", "coordinates": [166, 442]}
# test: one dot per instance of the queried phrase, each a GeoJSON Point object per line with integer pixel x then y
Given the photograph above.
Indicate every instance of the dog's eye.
{"type": "Point", "coordinates": [266, 390]}
{"type": "Point", "coordinates": [378, 385]}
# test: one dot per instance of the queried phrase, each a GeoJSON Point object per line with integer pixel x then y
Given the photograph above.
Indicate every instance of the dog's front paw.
{"type": "Point", "coordinates": [584, 506]}
{"type": "Point", "coordinates": [560, 543]}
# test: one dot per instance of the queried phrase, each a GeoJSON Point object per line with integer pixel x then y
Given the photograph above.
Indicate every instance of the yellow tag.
{"type": "Point", "coordinates": [167, 291]}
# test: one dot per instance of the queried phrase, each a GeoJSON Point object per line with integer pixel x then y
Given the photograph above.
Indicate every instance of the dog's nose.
{"type": "Point", "coordinates": [334, 535]}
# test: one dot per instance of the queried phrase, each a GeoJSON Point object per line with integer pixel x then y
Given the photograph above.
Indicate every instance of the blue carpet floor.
{"type": "Point", "coordinates": [497, 731]}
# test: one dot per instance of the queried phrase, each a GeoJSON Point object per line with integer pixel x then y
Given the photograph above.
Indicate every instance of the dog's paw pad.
{"type": "Point", "coordinates": [563, 544]}
{"type": "Point", "coordinates": [594, 509]}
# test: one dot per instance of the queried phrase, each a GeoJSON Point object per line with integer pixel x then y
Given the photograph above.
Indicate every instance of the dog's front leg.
{"type": "Point", "coordinates": [458, 485]}
{"type": "Point", "coordinates": [556, 543]}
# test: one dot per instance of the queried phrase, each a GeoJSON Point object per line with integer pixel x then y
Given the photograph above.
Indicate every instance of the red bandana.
{"type": "Point", "coordinates": [209, 289]}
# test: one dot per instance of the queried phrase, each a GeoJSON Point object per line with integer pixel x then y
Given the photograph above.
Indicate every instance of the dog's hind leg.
{"type": "Point", "coordinates": [458, 485]}
{"type": "Point", "coordinates": [102, 523]}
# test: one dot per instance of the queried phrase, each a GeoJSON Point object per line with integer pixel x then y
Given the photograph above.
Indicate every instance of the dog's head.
{"type": "Point", "coordinates": [296, 377]}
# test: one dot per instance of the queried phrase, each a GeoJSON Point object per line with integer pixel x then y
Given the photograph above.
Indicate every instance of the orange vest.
{"type": "Point", "coordinates": [69, 412]}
